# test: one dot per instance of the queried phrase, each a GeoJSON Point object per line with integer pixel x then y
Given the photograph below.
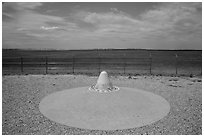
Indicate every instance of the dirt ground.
{"type": "Point", "coordinates": [21, 95]}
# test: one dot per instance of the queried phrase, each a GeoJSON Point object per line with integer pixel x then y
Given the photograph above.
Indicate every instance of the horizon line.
{"type": "Point", "coordinates": [45, 49]}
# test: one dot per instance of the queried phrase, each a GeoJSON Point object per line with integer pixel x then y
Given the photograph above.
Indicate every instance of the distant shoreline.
{"type": "Point", "coordinates": [103, 49]}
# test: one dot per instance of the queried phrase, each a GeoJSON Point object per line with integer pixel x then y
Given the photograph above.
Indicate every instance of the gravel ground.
{"type": "Point", "coordinates": [22, 95]}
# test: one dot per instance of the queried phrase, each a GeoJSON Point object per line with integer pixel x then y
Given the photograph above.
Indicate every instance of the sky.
{"type": "Point", "coordinates": [121, 25]}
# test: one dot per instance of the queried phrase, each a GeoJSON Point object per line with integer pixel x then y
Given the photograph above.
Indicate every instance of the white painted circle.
{"type": "Point", "coordinates": [126, 108]}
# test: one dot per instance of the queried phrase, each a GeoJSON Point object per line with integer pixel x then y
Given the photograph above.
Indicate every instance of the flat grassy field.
{"type": "Point", "coordinates": [117, 61]}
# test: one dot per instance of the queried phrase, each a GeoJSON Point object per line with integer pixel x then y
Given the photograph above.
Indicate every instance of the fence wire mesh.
{"type": "Point", "coordinates": [152, 64]}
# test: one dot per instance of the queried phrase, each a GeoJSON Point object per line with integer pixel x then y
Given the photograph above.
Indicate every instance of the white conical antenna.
{"type": "Point", "coordinates": [103, 82]}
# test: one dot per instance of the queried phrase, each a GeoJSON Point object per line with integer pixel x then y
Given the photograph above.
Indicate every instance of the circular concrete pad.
{"type": "Point", "coordinates": [122, 109]}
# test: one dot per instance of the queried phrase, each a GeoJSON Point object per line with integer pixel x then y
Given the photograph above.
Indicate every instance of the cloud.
{"type": "Point", "coordinates": [34, 24]}
{"type": "Point", "coordinates": [106, 24]}
{"type": "Point", "coordinates": [21, 6]}
{"type": "Point", "coordinates": [14, 8]}
{"type": "Point", "coordinates": [170, 22]}
{"type": "Point", "coordinates": [49, 28]}
{"type": "Point", "coordinates": [24, 20]}
{"type": "Point", "coordinates": [28, 5]}
{"type": "Point", "coordinates": [167, 23]}
{"type": "Point", "coordinates": [172, 12]}
{"type": "Point", "coordinates": [108, 18]}
{"type": "Point", "coordinates": [175, 18]}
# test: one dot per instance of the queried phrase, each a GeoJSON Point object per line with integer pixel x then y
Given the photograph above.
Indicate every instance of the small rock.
{"type": "Point", "coordinates": [196, 80]}
{"type": "Point", "coordinates": [199, 80]}
{"type": "Point", "coordinates": [173, 79]}
{"type": "Point", "coordinates": [174, 85]}
{"type": "Point", "coordinates": [190, 83]}
{"type": "Point", "coordinates": [134, 78]}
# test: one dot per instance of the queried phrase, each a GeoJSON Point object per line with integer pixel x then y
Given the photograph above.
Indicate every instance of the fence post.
{"type": "Point", "coordinates": [99, 64]}
{"type": "Point", "coordinates": [46, 65]}
{"type": "Point", "coordinates": [176, 64]}
{"type": "Point", "coordinates": [73, 63]}
{"type": "Point", "coordinates": [124, 67]}
{"type": "Point", "coordinates": [150, 64]}
{"type": "Point", "coordinates": [21, 65]}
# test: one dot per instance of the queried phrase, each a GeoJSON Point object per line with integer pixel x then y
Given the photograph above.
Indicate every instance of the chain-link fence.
{"type": "Point", "coordinates": [152, 64]}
